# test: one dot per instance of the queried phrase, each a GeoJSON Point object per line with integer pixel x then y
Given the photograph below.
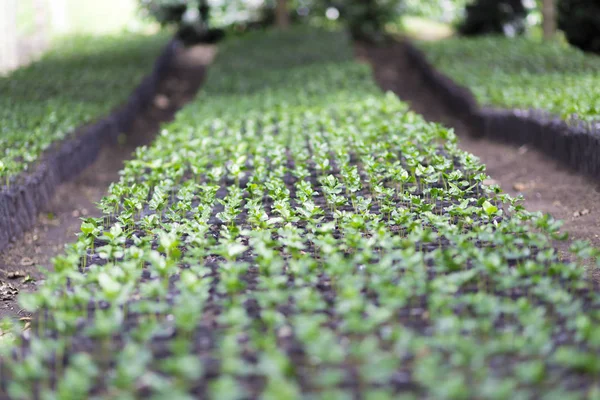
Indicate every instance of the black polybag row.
{"type": "Point", "coordinates": [574, 144]}
{"type": "Point", "coordinates": [20, 203]}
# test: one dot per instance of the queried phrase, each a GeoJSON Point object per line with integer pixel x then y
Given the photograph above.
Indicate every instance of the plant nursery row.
{"type": "Point", "coordinates": [522, 74]}
{"type": "Point", "coordinates": [297, 233]}
{"type": "Point", "coordinates": [75, 84]}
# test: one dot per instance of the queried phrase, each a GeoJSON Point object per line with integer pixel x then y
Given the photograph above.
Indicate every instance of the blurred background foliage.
{"type": "Point", "coordinates": [30, 27]}
{"type": "Point", "coordinates": [208, 20]}
{"type": "Point", "coordinates": [78, 16]}
{"type": "Point", "coordinates": [366, 19]}
{"type": "Point", "coordinates": [371, 19]}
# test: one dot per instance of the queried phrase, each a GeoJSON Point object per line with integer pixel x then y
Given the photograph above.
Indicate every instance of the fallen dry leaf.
{"type": "Point", "coordinates": [580, 213]}
{"type": "Point", "coordinates": [520, 187]}
{"type": "Point", "coordinates": [161, 101]}
{"type": "Point", "coordinates": [7, 291]}
{"type": "Point", "coordinates": [16, 275]}
{"type": "Point", "coordinates": [522, 150]}
{"type": "Point", "coordinates": [26, 261]}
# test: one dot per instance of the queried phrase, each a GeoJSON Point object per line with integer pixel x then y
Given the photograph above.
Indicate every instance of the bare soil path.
{"type": "Point", "coordinates": [21, 263]}
{"type": "Point", "coordinates": [546, 186]}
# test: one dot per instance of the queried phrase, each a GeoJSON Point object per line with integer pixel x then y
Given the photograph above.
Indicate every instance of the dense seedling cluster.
{"type": "Point", "coordinates": [296, 234]}
{"type": "Point", "coordinates": [81, 80]}
{"type": "Point", "coordinates": [520, 73]}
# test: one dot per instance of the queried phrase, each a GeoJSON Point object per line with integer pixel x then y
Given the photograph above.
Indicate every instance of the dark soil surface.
{"type": "Point", "coordinates": [21, 263]}
{"type": "Point", "coordinates": [546, 186]}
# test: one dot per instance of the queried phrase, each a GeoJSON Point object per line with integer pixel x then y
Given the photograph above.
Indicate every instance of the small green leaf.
{"type": "Point", "coordinates": [489, 208]}
{"type": "Point", "coordinates": [110, 287]}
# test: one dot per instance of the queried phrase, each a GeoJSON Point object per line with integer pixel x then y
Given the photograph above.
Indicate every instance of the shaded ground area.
{"type": "Point", "coordinates": [21, 262]}
{"type": "Point", "coordinates": [546, 186]}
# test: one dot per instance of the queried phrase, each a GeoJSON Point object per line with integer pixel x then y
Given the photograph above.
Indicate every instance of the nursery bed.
{"type": "Point", "coordinates": [21, 262]}
{"type": "Point", "coordinates": [296, 233]}
{"type": "Point", "coordinates": [81, 80]}
{"type": "Point", "coordinates": [546, 184]}
{"type": "Point", "coordinates": [521, 73]}
{"type": "Point", "coordinates": [539, 82]}
{"type": "Point", "coordinates": [58, 153]}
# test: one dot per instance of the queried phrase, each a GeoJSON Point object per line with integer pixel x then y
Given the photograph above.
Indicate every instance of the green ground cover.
{"type": "Point", "coordinates": [81, 80]}
{"type": "Point", "coordinates": [296, 233]}
{"type": "Point", "coordinates": [522, 73]}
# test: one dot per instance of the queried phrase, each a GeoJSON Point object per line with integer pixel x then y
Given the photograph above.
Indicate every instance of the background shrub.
{"type": "Point", "coordinates": [580, 21]}
{"type": "Point", "coordinates": [192, 18]}
{"type": "Point", "coordinates": [365, 19]}
{"type": "Point", "coordinates": [507, 17]}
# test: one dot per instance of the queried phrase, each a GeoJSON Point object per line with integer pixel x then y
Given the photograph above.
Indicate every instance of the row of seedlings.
{"type": "Point", "coordinates": [522, 74]}
{"type": "Point", "coordinates": [296, 234]}
{"type": "Point", "coordinates": [80, 80]}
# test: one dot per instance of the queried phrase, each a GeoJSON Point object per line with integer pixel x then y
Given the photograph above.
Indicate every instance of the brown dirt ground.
{"type": "Point", "coordinates": [545, 185]}
{"type": "Point", "coordinates": [21, 263]}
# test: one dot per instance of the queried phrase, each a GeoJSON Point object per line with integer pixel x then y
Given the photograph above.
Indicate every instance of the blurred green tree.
{"type": "Point", "coordinates": [580, 21]}
{"type": "Point", "coordinates": [366, 19]}
{"type": "Point", "coordinates": [506, 17]}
